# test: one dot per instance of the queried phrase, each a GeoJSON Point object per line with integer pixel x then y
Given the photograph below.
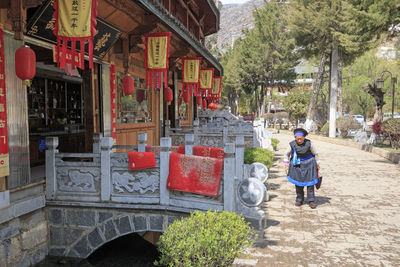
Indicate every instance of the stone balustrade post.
{"type": "Point", "coordinates": [142, 138]}
{"type": "Point", "coordinates": [165, 144]}
{"type": "Point", "coordinates": [229, 177]}
{"type": "Point", "coordinates": [239, 156]}
{"type": "Point", "coordinates": [196, 124]}
{"type": "Point", "coordinates": [189, 141]}
{"type": "Point", "coordinates": [106, 144]}
{"type": "Point", "coordinates": [167, 128]}
{"type": "Point", "coordinates": [225, 133]}
{"type": "Point", "coordinates": [51, 172]}
{"type": "Point", "coordinates": [96, 142]}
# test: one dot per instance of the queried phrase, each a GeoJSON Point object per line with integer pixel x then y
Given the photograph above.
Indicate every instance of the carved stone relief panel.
{"type": "Point", "coordinates": [211, 141]}
{"type": "Point", "coordinates": [136, 182]}
{"type": "Point", "coordinates": [83, 179]}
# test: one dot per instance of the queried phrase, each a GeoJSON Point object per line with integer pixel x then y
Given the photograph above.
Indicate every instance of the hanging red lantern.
{"type": "Point", "coordinates": [186, 96]}
{"type": "Point", "coordinates": [168, 95]}
{"type": "Point", "coordinates": [25, 64]}
{"type": "Point", "coordinates": [198, 101]}
{"type": "Point", "coordinates": [204, 104]}
{"type": "Point", "coordinates": [140, 95]}
{"type": "Point", "coordinates": [128, 84]}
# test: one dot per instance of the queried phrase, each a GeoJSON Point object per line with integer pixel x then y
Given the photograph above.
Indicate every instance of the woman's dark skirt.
{"type": "Point", "coordinates": [304, 174]}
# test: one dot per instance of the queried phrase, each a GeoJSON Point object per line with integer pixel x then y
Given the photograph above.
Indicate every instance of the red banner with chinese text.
{"type": "Point", "coordinates": [194, 174]}
{"type": "Point", "coordinates": [75, 21]}
{"type": "Point", "coordinates": [113, 94]}
{"type": "Point", "coordinates": [206, 82]}
{"type": "Point", "coordinates": [156, 58]}
{"type": "Point", "coordinates": [4, 159]}
{"type": "Point", "coordinates": [191, 74]}
{"type": "Point", "coordinates": [217, 83]}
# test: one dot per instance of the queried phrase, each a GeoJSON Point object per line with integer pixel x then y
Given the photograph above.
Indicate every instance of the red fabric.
{"type": "Point", "coordinates": [62, 41]}
{"type": "Point", "coordinates": [178, 149]}
{"type": "Point", "coordinates": [113, 94]}
{"type": "Point", "coordinates": [141, 160]}
{"type": "Point", "coordinates": [194, 174]}
{"type": "Point", "coordinates": [3, 101]}
{"type": "Point", "coordinates": [213, 152]}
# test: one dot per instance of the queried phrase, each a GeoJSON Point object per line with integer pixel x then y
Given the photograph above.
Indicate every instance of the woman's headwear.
{"type": "Point", "coordinates": [300, 132]}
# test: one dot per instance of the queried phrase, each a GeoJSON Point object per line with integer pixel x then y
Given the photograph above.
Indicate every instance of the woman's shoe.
{"type": "Point", "coordinates": [312, 204]}
{"type": "Point", "coordinates": [297, 204]}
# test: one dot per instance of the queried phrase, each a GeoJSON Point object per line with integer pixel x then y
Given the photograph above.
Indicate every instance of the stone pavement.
{"type": "Point", "coordinates": [356, 223]}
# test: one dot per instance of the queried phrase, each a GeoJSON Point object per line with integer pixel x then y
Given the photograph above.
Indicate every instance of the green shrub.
{"type": "Point", "coordinates": [346, 124]}
{"type": "Point", "coordinates": [205, 239]}
{"type": "Point", "coordinates": [274, 143]}
{"type": "Point", "coordinates": [391, 127]}
{"type": "Point", "coordinates": [258, 154]}
{"type": "Point", "coordinates": [325, 129]}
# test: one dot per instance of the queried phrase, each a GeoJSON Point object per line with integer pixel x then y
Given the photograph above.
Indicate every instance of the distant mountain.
{"type": "Point", "coordinates": [234, 19]}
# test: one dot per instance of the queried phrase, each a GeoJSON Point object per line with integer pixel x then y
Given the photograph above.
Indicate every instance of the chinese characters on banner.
{"type": "Point", "coordinates": [113, 92]}
{"type": "Point", "coordinates": [191, 74]}
{"type": "Point", "coordinates": [206, 82]}
{"type": "Point", "coordinates": [75, 21]}
{"type": "Point", "coordinates": [74, 60]}
{"type": "Point", "coordinates": [4, 160]}
{"type": "Point", "coordinates": [156, 58]}
{"type": "Point", "coordinates": [216, 88]}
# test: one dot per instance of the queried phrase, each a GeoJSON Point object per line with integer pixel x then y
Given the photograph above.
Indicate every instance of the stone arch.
{"type": "Point", "coordinates": [82, 238]}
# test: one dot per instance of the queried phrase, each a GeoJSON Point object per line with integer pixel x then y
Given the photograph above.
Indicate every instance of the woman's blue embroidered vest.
{"type": "Point", "coordinates": [303, 151]}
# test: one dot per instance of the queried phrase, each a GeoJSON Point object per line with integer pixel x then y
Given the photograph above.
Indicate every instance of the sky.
{"type": "Point", "coordinates": [233, 1]}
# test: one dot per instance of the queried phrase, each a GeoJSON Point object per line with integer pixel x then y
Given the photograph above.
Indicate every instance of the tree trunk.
{"type": "Point", "coordinates": [340, 83]}
{"type": "Point", "coordinates": [316, 87]}
{"type": "Point", "coordinates": [333, 91]}
{"type": "Point", "coordinates": [262, 100]}
{"type": "Point", "coordinates": [257, 99]}
{"type": "Point", "coordinates": [378, 95]}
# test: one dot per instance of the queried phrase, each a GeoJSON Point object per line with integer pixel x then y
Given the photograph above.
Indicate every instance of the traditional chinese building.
{"type": "Point", "coordinates": [76, 103]}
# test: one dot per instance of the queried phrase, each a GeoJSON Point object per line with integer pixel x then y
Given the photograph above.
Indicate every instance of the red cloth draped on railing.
{"type": "Point", "coordinates": [141, 160]}
{"type": "Point", "coordinates": [194, 174]}
{"type": "Point", "coordinates": [213, 152]}
{"type": "Point", "coordinates": [178, 149]}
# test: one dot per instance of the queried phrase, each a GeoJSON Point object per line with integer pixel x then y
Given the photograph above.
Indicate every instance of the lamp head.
{"type": "Point", "coordinates": [379, 83]}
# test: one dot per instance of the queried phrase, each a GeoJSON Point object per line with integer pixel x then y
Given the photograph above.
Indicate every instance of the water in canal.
{"type": "Point", "coordinates": [130, 250]}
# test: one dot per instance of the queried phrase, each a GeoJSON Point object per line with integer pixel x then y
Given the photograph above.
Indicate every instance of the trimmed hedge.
{"type": "Point", "coordinates": [391, 127]}
{"type": "Point", "coordinates": [205, 239]}
{"type": "Point", "coordinates": [258, 154]}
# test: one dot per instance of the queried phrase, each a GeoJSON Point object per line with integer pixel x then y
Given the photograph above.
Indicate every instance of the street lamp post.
{"type": "Point", "coordinates": [379, 85]}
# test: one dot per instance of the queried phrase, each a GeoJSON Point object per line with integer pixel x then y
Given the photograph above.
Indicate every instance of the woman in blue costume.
{"type": "Point", "coordinates": [302, 165]}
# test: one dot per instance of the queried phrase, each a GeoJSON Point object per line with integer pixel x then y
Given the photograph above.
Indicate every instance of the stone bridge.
{"type": "Point", "coordinates": [93, 198]}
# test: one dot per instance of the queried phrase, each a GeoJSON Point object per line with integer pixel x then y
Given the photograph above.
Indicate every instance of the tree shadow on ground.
{"type": "Point", "coordinates": [322, 200]}
{"type": "Point", "coordinates": [265, 243]}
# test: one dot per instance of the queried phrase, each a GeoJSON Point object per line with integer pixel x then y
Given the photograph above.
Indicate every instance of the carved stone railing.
{"type": "Point", "coordinates": [216, 128]}
{"type": "Point", "coordinates": [104, 177]}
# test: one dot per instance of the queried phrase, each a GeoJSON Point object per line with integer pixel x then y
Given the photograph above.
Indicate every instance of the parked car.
{"type": "Point", "coordinates": [361, 120]}
{"type": "Point", "coordinates": [389, 115]}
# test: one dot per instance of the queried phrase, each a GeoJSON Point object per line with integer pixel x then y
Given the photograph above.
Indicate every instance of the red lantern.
{"type": "Point", "coordinates": [204, 104]}
{"type": "Point", "coordinates": [140, 95]}
{"type": "Point", "coordinates": [25, 64]}
{"type": "Point", "coordinates": [168, 95]}
{"type": "Point", "coordinates": [128, 84]}
{"type": "Point", "coordinates": [198, 101]}
{"type": "Point", "coordinates": [186, 96]}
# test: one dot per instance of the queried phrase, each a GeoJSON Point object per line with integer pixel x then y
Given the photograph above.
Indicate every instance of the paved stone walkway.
{"type": "Point", "coordinates": [356, 223]}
